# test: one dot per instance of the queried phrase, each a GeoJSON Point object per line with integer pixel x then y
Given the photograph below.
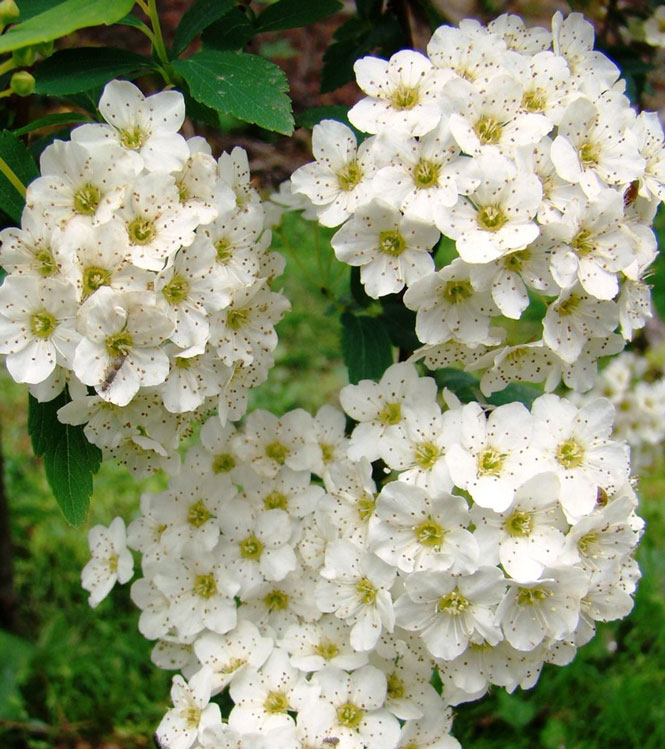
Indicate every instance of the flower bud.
{"type": "Point", "coordinates": [9, 11]}
{"type": "Point", "coordinates": [22, 83]}
{"type": "Point", "coordinates": [25, 56]}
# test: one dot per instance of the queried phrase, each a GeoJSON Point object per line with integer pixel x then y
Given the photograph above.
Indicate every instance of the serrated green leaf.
{"type": "Point", "coordinates": [360, 296]}
{"type": "Point", "coordinates": [70, 460]}
{"type": "Point", "coordinates": [289, 14]}
{"type": "Point", "coordinates": [338, 62]}
{"type": "Point", "coordinates": [197, 18]}
{"type": "Point", "coordinates": [62, 19]}
{"type": "Point", "coordinates": [71, 71]}
{"type": "Point", "coordinates": [246, 86]}
{"type": "Point", "coordinates": [313, 115]}
{"type": "Point", "coordinates": [19, 160]}
{"type": "Point", "coordinates": [58, 118]}
{"type": "Point", "coordinates": [231, 32]}
{"type": "Point", "coordinates": [366, 347]}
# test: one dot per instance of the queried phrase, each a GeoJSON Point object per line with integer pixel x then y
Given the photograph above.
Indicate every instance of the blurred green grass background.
{"type": "Point", "coordinates": [82, 678]}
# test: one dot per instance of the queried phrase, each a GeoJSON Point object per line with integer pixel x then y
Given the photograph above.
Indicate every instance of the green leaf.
{"type": "Point", "coordinates": [516, 391]}
{"type": "Point", "coordinates": [30, 8]}
{"type": "Point", "coordinates": [246, 86]}
{"type": "Point", "coordinates": [313, 115]}
{"type": "Point", "coordinates": [289, 14]}
{"type": "Point", "coordinates": [360, 296]}
{"type": "Point", "coordinates": [63, 19]}
{"type": "Point", "coordinates": [232, 32]}
{"type": "Point", "coordinates": [198, 17]}
{"type": "Point", "coordinates": [69, 459]}
{"type": "Point", "coordinates": [59, 118]}
{"type": "Point", "coordinates": [338, 62]}
{"type": "Point", "coordinates": [71, 71]}
{"type": "Point", "coordinates": [400, 323]}
{"type": "Point", "coordinates": [366, 347]}
{"type": "Point", "coordinates": [19, 160]}
{"type": "Point", "coordinates": [15, 656]}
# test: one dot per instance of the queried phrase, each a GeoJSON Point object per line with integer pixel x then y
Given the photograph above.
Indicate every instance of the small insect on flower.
{"type": "Point", "coordinates": [112, 372]}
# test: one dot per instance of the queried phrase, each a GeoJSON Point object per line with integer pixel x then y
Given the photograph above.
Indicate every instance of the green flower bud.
{"type": "Point", "coordinates": [22, 83]}
{"type": "Point", "coordinates": [45, 49]}
{"type": "Point", "coordinates": [9, 11]}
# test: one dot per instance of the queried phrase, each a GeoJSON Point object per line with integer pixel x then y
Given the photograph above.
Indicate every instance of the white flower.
{"type": "Point", "coordinates": [547, 607]}
{"type": "Point", "coordinates": [356, 587]}
{"type": "Point", "coordinates": [401, 94]}
{"type": "Point", "coordinates": [192, 712]}
{"type": "Point", "coordinates": [391, 249]}
{"type": "Point", "coordinates": [449, 611]}
{"type": "Point", "coordinates": [576, 444]}
{"type": "Point", "coordinates": [413, 531]}
{"type": "Point", "coordinates": [120, 350]}
{"type": "Point", "coordinates": [340, 180]}
{"type": "Point", "coordinates": [653, 28]}
{"type": "Point", "coordinates": [37, 326]}
{"type": "Point", "coordinates": [111, 560]}
{"type": "Point", "coordinates": [147, 127]}
{"type": "Point", "coordinates": [529, 535]}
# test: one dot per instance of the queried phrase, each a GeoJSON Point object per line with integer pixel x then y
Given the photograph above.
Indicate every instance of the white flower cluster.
{"type": "Point", "coordinates": [141, 271]}
{"type": "Point", "coordinates": [637, 392]}
{"type": "Point", "coordinates": [276, 568]}
{"type": "Point", "coordinates": [520, 145]}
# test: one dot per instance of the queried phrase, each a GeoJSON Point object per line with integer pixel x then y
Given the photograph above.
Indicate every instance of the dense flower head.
{"type": "Point", "coordinates": [521, 146]}
{"type": "Point", "coordinates": [321, 600]}
{"type": "Point", "coordinates": [140, 270]}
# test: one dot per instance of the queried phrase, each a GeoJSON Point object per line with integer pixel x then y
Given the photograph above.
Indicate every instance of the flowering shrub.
{"type": "Point", "coordinates": [349, 586]}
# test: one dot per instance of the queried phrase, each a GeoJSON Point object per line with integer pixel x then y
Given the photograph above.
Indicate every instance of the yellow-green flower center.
{"type": "Point", "coordinates": [583, 242]}
{"type": "Point", "coordinates": [365, 506]}
{"type": "Point", "coordinates": [94, 277]}
{"type": "Point", "coordinates": [223, 463]}
{"type": "Point", "coordinates": [426, 455]}
{"type": "Point", "coordinates": [531, 596]}
{"type": "Point", "coordinates": [429, 533]}
{"type": "Point", "coordinates": [236, 318]}
{"type": "Point", "coordinates": [191, 715]}
{"type": "Point", "coordinates": [515, 261]}
{"type": "Point", "coordinates": [405, 97]}
{"type": "Point", "coordinates": [133, 138]}
{"type": "Point", "coordinates": [454, 603]}
{"type": "Point", "coordinates": [198, 514]}
{"type": "Point", "coordinates": [588, 155]}
{"type": "Point", "coordinates": [488, 130]}
{"type": "Point", "coordinates": [276, 501]}
{"type": "Point", "coordinates": [327, 452]}
{"type": "Point", "coordinates": [276, 702]}
{"type": "Point", "coordinates": [277, 451]}
{"type": "Point", "coordinates": [391, 414]}
{"type": "Point", "coordinates": [349, 715]}
{"type": "Point", "coordinates": [587, 542]}
{"type": "Point", "coordinates": [176, 289]}
{"type": "Point", "coordinates": [426, 174]}
{"type": "Point", "coordinates": [141, 230]}
{"type": "Point", "coordinates": [396, 689]}
{"type": "Point", "coordinates": [251, 547]}
{"type": "Point", "coordinates": [568, 306]}
{"type": "Point", "coordinates": [490, 461]}
{"type": "Point", "coordinates": [455, 292]}
{"type": "Point", "coordinates": [491, 217]}
{"type": "Point", "coordinates": [366, 591]}
{"type": "Point", "coordinates": [113, 562]}
{"type": "Point", "coordinates": [86, 200]}
{"type": "Point", "coordinates": [205, 586]}
{"type": "Point", "coordinates": [119, 344]}
{"type": "Point", "coordinates": [223, 247]}
{"type": "Point", "coordinates": [349, 177]}
{"type": "Point", "coordinates": [276, 600]}
{"type": "Point", "coordinates": [42, 324]}
{"type": "Point", "coordinates": [326, 649]}
{"type": "Point", "coordinates": [391, 243]}
{"type": "Point", "coordinates": [232, 665]}
{"type": "Point", "coordinates": [534, 100]}
{"type": "Point", "coordinates": [570, 454]}
{"type": "Point", "coordinates": [519, 524]}
{"type": "Point", "coordinates": [46, 265]}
